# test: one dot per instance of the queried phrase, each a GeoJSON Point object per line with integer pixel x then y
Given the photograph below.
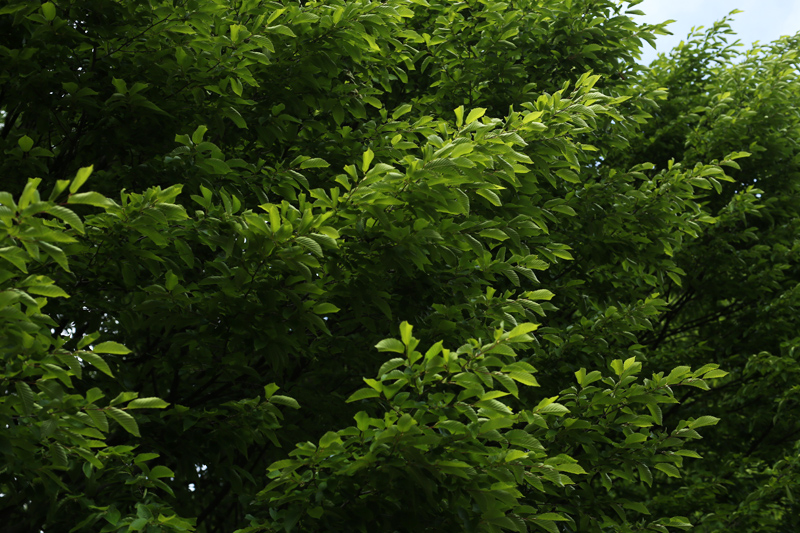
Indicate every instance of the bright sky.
{"type": "Point", "coordinates": [761, 20]}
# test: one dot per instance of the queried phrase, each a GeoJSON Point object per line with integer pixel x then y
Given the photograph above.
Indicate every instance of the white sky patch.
{"type": "Point", "coordinates": [761, 20]}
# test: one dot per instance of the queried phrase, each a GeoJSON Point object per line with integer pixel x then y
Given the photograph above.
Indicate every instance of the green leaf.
{"type": "Point", "coordinates": [199, 133]}
{"type": "Point", "coordinates": [9, 297]}
{"type": "Point", "coordinates": [235, 117]}
{"type": "Point", "coordinates": [374, 102]}
{"type": "Point", "coordinates": [325, 308]}
{"type": "Point", "coordinates": [552, 516]}
{"type": "Point", "coordinates": [216, 166]}
{"type": "Point", "coordinates": [305, 18]}
{"type": "Point", "coordinates": [147, 403]}
{"type": "Point", "coordinates": [171, 280]}
{"type": "Point", "coordinates": [125, 420]}
{"type": "Point", "coordinates": [160, 471]}
{"type": "Point", "coordinates": [572, 468]}
{"type": "Point", "coordinates": [644, 474]}
{"type": "Point", "coordinates": [367, 158]}
{"type": "Point", "coordinates": [15, 256]}
{"type": "Point", "coordinates": [635, 438]}
{"type": "Point", "coordinates": [282, 30]}
{"type": "Point", "coordinates": [507, 383]}
{"type": "Point", "coordinates": [236, 85]}
{"type": "Point", "coordinates": [390, 365]}
{"type": "Point", "coordinates": [406, 422]}
{"type": "Point", "coordinates": [688, 453]}
{"type": "Point", "coordinates": [475, 114]}
{"type": "Point", "coordinates": [540, 294]}
{"type": "Point", "coordinates": [89, 457]}
{"type": "Point", "coordinates": [554, 409]}
{"type": "Point", "coordinates": [568, 175]}
{"type": "Point", "coordinates": [530, 125]}
{"type": "Point", "coordinates": [58, 188]}
{"type": "Point", "coordinates": [704, 421]}
{"type": "Point", "coordinates": [314, 163]}
{"type": "Point", "coordinates": [27, 396]}
{"type": "Point", "coordinates": [338, 114]}
{"type": "Point", "coordinates": [668, 469]}
{"type": "Point", "coordinates": [390, 345]}
{"type": "Point", "coordinates": [25, 142]}
{"type": "Point", "coordinates": [564, 209]}
{"type": "Point", "coordinates": [67, 216]}
{"type": "Point", "coordinates": [51, 291]}
{"type": "Point", "coordinates": [138, 524]}
{"type": "Point", "coordinates": [99, 418]}
{"type": "Point", "coordinates": [49, 11]}
{"type": "Point", "coordinates": [58, 372]}
{"type": "Point", "coordinates": [636, 506]}
{"type": "Point", "coordinates": [13, 8]}
{"type": "Point", "coordinates": [494, 233]}
{"type": "Point", "coordinates": [270, 389]}
{"type": "Point", "coordinates": [547, 525]}
{"type": "Point", "coordinates": [522, 329]}
{"type": "Point", "coordinates": [29, 193]}
{"type": "Point", "coordinates": [524, 378]}
{"type": "Point", "coordinates": [401, 110]}
{"type": "Point", "coordinates": [311, 245]}
{"type": "Point", "coordinates": [459, 111]}
{"type": "Point", "coordinates": [111, 347]}
{"type": "Point", "coordinates": [405, 332]}
{"type": "Point", "coordinates": [679, 521]}
{"type": "Point", "coordinates": [363, 394]}
{"type": "Point", "coordinates": [491, 196]}
{"type": "Point", "coordinates": [96, 361]}
{"type": "Point", "coordinates": [80, 178]}
{"type": "Point", "coordinates": [123, 397]}
{"type": "Point", "coordinates": [90, 198]}
{"type": "Point", "coordinates": [285, 400]}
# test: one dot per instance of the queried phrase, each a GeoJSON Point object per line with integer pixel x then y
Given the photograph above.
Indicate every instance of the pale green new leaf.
{"type": "Point", "coordinates": [390, 345]}
{"type": "Point", "coordinates": [363, 394]}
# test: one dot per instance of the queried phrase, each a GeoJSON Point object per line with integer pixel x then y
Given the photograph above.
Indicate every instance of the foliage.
{"type": "Point", "coordinates": [557, 266]}
{"type": "Point", "coordinates": [739, 306]}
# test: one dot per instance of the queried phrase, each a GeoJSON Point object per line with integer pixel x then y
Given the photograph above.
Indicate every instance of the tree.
{"type": "Point", "coordinates": [401, 266]}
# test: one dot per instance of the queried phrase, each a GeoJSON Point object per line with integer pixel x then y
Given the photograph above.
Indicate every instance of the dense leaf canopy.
{"type": "Point", "coordinates": [407, 266]}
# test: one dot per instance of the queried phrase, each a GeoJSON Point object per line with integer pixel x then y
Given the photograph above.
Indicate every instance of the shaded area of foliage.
{"type": "Point", "coordinates": [401, 266]}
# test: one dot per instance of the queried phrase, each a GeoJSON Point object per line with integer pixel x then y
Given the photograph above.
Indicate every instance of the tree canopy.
{"type": "Point", "coordinates": [401, 266]}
